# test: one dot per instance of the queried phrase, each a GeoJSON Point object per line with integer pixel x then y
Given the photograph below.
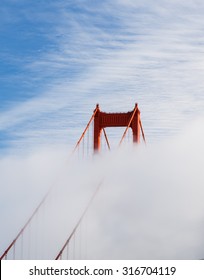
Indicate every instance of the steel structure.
{"type": "Point", "coordinates": [101, 120]}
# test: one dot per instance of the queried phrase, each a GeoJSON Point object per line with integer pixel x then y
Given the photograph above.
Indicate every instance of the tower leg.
{"type": "Point", "coordinates": [97, 130]}
{"type": "Point", "coordinates": [136, 127]}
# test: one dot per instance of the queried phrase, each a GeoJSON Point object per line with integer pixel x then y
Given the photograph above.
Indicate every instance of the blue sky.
{"type": "Point", "coordinates": [60, 58]}
{"type": "Point", "coordinates": [57, 60]}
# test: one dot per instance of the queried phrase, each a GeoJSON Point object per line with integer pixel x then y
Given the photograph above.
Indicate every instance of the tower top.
{"type": "Point", "coordinates": [128, 120]}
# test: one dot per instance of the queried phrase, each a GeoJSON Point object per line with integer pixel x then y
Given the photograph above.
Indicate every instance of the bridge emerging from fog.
{"type": "Point", "coordinates": [21, 247]}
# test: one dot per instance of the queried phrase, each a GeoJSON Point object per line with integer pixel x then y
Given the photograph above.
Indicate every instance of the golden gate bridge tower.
{"type": "Point", "coordinates": [22, 243]}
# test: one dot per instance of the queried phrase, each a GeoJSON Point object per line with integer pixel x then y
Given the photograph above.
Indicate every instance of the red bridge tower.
{"type": "Point", "coordinates": [103, 120]}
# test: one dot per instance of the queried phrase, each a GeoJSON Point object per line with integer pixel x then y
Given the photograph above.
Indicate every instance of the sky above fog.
{"type": "Point", "coordinates": [60, 58]}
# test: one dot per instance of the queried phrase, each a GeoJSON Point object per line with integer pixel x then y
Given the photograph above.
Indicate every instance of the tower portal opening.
{"type": "Point", "coordinates": [103, 120]}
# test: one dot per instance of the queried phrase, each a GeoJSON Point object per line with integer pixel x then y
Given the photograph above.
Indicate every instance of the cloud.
{"type": "Point", "coordinates": [150, 205]}
{"type": "Point", "coordinates": [116, 54]}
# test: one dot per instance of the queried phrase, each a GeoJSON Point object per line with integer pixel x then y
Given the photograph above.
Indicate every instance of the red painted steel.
{"type": "Point", "coordinates": [103, 120]}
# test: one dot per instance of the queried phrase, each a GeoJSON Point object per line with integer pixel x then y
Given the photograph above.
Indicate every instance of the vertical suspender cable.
{"type": "Point", "coordinates": [21, 246]}
{"type": "Point", "coordinates": [4, 255]}
{"type": "Point", "coordinates": [67, 252]}
{"type": "Point", "coordinates": [83, 148]}
{"type": "Point", "coordinates": [90, 121]}
{"type": "Point", "coordinates": [21, 232]}
{"type": "Point", "coordinates": [79, 222]}
{"type": "Point", "coordinates": [25, 226]}
{"type": "Point", "coordinates": [14, 251]}
{"type": "Point", "coordinates": [87, 147]}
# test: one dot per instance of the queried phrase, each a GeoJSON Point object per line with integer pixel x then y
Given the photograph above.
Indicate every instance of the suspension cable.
{"type": "Point", "coordinates": [12, 244]}
{"type": "Point", "coordinates": [106, 138]}
{"type": "Point", "coordinates": [4, 255]}
{"type": "Point", "coordinates": [133, 114]}
{"type": "Point", "coordinates": [79, 221]}
{"type": "Point", "coordinates": [143, 135]}
{"type": "Point", "coordinates": [82, 136]}
{"type": "Point", "coordinates": [25, 226]}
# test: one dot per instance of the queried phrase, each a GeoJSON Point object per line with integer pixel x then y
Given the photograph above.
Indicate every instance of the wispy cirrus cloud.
{"type": "Point", "coordinates": [116, 54]}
